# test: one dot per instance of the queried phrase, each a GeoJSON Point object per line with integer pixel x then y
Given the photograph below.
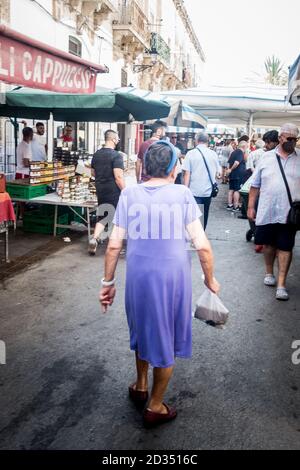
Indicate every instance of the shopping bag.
{"type": "Point", "coordinates": [211, 310]}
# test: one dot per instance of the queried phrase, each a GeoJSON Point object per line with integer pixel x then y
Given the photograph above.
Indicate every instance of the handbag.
{"type": "Point", "coordinates": [215, 187]}
{"type": "Point", "coordinates": [294, 213]}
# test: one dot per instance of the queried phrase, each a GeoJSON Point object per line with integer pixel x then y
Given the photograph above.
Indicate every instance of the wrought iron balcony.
{"type": "Point", "coordinates": [161, 47]}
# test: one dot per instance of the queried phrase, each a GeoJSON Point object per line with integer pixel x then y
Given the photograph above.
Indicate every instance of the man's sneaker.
{"type": "Point", "coordinates": [282, 294]}
{"type": "Point", "coordinates": [236, 209]}
{"type": "Point", "coordinates": [229, 207]}
{"type": "Point", "coordinates": [93, 244]}
{"type": "Point", "coordinates": [270, 280]}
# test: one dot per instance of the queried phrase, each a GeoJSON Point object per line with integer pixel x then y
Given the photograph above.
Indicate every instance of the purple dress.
{"type": "Point", "coordinates": [158, 282]}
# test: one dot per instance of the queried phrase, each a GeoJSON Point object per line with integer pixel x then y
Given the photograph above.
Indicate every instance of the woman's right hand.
{"type": "Point", "coordinates": [213, 285]}
{"type": "Point", "coordinates": [106, 297]}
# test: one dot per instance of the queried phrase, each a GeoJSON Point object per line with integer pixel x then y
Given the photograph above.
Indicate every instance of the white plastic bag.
{"type": "Point", "coordinates": [210, 309]}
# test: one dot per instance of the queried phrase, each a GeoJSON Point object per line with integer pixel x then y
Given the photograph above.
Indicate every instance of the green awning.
{"type": "Point", "coordinates": [102, 106]}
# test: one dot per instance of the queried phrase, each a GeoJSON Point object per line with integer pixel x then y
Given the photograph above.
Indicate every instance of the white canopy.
{"type": "Point", "coordinates": [255, 105]}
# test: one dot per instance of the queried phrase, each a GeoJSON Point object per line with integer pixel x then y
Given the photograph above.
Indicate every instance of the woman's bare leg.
{"type": "Point", "coordinates": [161, 379]}
{"type": "Point", "coordinates": [142, 374]}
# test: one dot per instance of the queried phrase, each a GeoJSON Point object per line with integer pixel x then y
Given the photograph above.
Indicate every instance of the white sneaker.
{"type": "Point", "coordinates": [270, 280]}
{"type": "Point", "coordinates": [282, 294]}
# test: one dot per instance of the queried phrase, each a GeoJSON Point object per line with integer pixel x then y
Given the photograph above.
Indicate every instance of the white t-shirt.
{"type": "Point", "coordinates": [38, 148]}
{"type": "Point", "coordinates": [23, 151]}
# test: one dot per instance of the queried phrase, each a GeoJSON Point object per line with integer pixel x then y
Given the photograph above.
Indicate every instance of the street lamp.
{"type": "Point", "coordinates": [153, 57]}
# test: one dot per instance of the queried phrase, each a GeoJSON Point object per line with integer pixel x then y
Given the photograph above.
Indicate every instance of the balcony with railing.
{"type": "Point", "coordinates": [133, 23]}
{"type": "Point", "coordinates": [161, 47]}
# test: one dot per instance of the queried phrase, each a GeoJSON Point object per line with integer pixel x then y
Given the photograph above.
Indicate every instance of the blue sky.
{"type": "Point", "coordinates": [237, 35]}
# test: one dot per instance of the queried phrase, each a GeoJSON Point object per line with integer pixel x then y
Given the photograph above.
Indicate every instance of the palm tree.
{"type": "Point", "coordinates": [276, 73]}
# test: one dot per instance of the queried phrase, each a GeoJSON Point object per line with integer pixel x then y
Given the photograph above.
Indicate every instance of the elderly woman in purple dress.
{"type": "Point", "coordinates": [156, 218]}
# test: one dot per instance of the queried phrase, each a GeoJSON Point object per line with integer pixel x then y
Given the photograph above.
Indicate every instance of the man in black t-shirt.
{"type": "Point", "coordinates": [108, 169]}
{"type": "Point", "coordinates": [237, 173]}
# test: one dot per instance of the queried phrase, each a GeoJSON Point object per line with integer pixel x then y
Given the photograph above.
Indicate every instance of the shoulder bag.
{"type": "Point", "coordinates": [294, 213]}
{"type": "Point", "coordinates": [215, 187]}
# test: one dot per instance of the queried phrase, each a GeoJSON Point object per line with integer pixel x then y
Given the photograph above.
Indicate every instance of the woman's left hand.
{"type": "Point", "coordinates": [106, 297]}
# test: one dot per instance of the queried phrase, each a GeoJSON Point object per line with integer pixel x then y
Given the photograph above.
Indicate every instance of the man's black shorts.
{"type": "Point", "coordinates": [235, 185]}
{"type": "Point", "coordinates": [280, 236]}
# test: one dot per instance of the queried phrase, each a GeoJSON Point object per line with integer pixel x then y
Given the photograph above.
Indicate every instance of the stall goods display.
{"type": "Point", "coordinates": [44, 172]}
{"type": "Point", "coordinates": [76, 189]}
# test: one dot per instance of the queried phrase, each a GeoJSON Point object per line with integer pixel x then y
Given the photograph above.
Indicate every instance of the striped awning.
{"type": "Point", "coordinates": [185, 116]}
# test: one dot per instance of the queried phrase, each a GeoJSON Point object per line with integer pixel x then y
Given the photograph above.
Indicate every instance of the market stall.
{"type": "Point", "coordinates": [67, 173]}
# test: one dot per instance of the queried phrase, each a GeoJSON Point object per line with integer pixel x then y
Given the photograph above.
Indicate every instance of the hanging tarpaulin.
{"type": "Point", "coordinates": [27, 62]}
{"type": "Point", "coordinates": [294, 83]}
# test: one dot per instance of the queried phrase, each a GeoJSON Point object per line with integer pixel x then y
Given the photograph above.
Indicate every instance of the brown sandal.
{"type": "Point", "coordinates": [151, 418]}
{"type": "Point", "coordinates": [139, 397]}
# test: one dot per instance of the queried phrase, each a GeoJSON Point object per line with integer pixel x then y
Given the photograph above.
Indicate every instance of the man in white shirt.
{"type": "Point", "coordinates": [273, 231]}
{"type": "Point", "coordinates": [24, 154]}
{"type": "Point", "coordinates": [256, 155]}
{"type": "Point", "coordinates": [39, 144]}
{"type": "Point", "coordinates": [196, 176]}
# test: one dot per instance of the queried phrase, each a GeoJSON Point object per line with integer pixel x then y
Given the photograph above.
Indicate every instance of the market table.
{"type": "Point", "coordinates": [7, 215]}
{"type": "Point", "coordinates": [54, 200]}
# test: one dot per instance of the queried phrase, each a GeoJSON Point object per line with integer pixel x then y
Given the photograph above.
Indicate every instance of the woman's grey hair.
{"type": "Point", "coordinates": [157, 160]}
{"type": "Point", "coordinates": [202, 138]}
{"type": "Point", "coordinates": [259, 144]}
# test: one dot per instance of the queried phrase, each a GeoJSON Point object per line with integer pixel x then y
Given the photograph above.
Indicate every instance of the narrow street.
{"type": "Point", "coordinates": [69, 366]}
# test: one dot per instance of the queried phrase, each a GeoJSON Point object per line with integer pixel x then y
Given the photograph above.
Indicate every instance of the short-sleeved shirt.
{"type": "Point", "coordinates": [274, 204]}
{"type": "Point", "coordinates": [104, 162]}
{"type": "Point", "coordinates": [142, 152]}
{"type": "Point", "coordinates": [254, 158]}
{"type": "Point", "coordinates": [38, 148]}
{"type": "Point", "coordinates": [200, 184]}
{"type": "Point", "coordinates": [240, 171]}
{"type": "Point", "coordinates": [24, 150]}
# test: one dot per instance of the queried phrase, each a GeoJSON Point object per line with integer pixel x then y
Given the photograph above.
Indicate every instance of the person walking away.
{"type": "Point", "coordinates": [108, 170]}
{"type": "Point", "coordinates": [158, 132]}
{"type": "Point", "coordinates": [199, 177]}
{"type": "Point", "coordinates": [39, 144]}
{"type": "Point", "coordinates": [273, 231]}
{"type": "Point", "coordinates": [227, 150]}
{"type": "Point", "coordinates": [158, 279]}
{"type": "Point", "coordinates": [237, 173]}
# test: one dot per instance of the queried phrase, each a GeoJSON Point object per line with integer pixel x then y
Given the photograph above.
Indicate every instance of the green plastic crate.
{"type": "Point", "coordinates": [37, 222]}
{"type": "Point", "coordinates": [26, 191]}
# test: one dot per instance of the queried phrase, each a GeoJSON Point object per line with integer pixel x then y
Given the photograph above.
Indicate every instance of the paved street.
{"type": "Point", "coordinates": [68, 366]}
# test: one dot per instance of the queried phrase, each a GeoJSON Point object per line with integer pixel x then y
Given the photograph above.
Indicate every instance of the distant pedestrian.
{"type": "Point", "coordinates": [271, 140]}
{"type": "Point", "coordinates": [154, 217]}
{"type": "Point", "coordinates": [201, 168]}
{"type": "Point", "coordinates": [108, 169]}
{"type": "Point", "coordinates": [237, 174]}
{"type": "Point", "coordinates": [255, 156]}
{"type": "Point", "coordinates": [273, 231]}
{"type": "Point", "coordinates": [158, 132]}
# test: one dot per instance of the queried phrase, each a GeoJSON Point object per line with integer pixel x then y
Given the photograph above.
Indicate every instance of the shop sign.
{"type": "Point", "coordinates": [25, 65]}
